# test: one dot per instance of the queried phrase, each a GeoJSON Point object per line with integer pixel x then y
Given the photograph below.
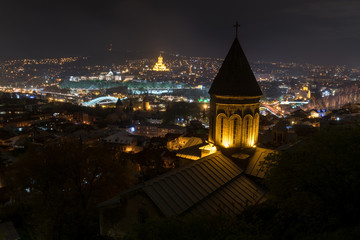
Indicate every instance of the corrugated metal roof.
{"type": "Point", "coordinates": [193, 141]}
{"type": "Point", "coordinates": [209, 182]}
{"type": "Point", "coordinates": [213, 184]}
{"type": "Point", "coordinates": [256, 167]}
{"type": "Point", "coordinates": [231, 199]}
{"type": "Point", "coordinates": [175, 192]}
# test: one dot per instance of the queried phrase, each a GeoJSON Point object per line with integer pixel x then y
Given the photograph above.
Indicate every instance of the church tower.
{"type": "Point", "coordinates": [234, 102]}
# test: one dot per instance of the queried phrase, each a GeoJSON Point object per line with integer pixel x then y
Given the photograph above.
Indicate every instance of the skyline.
{"type": "Point", "coordinates": [325, 32]}
{"type": "Point", "coordinates": [104, 142]}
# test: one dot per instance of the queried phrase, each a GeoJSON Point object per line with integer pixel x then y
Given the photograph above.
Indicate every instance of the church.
{"type": "Point", "coordinates": [160, 66]}
{"type": "Point", "coordinates": [219, 177]}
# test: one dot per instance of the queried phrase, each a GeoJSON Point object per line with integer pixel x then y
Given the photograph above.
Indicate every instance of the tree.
{"type": "Point", "coordinates": [57, 187]}
{"type": "Point", "coordinates": [192, 227]}
{"type": "Point", "coordinates": [150, 163]}
{"type": "Point", "coordinates": [313, 194]}
{"type": "Point", "coordinates": [315, 186]}
{"type": "Point", "coordinates": [181, 110]}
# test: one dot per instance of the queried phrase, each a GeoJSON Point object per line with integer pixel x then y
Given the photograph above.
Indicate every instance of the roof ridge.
{"type": "Point", "coordinates": [156, 179]}
{"type": "Point", "coordinates": [173, 172]}
{"type": "Point", "coordinates": [220, 184]}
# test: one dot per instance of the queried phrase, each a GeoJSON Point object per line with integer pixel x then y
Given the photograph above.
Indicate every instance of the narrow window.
{"type": "Point", "coordinates": [222, 130]}
{"type": "Point", "coordinates": [235, 130]}
{"type": "Point", "coordinates": [247, 128]}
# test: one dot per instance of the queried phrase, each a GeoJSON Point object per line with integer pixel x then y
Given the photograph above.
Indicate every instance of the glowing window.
{"type": "Point", "coordinates": [235, 130]}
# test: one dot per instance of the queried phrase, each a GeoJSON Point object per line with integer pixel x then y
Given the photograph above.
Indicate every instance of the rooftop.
{"type": "Point", "coordinates": [213, 184]}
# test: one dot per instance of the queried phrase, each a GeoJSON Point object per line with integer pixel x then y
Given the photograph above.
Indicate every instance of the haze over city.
{"type": "Point", "coordinates": [320, 32]}
{"type": "Point", "coordinates": [170, 120]}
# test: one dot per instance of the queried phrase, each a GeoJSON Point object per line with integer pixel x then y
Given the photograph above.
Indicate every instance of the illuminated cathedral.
{"type": "Point", "coordinates": [160, 66]}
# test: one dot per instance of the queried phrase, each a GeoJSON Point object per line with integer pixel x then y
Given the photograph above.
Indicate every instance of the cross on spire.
{"type": "Point", "coordinates": [236, 26]}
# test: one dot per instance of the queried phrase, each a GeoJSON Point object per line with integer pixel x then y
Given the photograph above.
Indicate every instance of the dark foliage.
{"type": "Point", "coordinates": [313, 194]}
{"type": "Point", "coordinates": [315, 186]}
{"type": "Point", "coordinates": [55, 188]}
{"type": "Point", "coordinates": [181, 110]}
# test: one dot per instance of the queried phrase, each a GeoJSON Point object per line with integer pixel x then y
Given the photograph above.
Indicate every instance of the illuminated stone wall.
{"type": "Point", "coordinates": [234, 121]}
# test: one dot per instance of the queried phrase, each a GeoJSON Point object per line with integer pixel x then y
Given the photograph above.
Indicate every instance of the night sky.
{"type": "Point", "coordinates": [314, 31]}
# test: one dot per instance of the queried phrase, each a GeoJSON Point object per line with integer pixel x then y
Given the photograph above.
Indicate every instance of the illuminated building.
{"type": "Point", "coordinates": [108, 76]}
{"type": "Point", "coordinates": [160, 66]}
{"type": "Point", "coordinates": [146, 104]}
{"type": "Point", "coordinates": [125, 142]}
{"type": "Point", "coordinates": [157, 130]}
{"type": "Point", "coordinates": [234, 103]}
{"type": "Point", "coordinates": [303, 94]}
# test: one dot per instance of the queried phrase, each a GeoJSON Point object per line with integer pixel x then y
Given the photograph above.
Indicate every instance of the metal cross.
{"type": "Point", "coordinates": [236, 26]}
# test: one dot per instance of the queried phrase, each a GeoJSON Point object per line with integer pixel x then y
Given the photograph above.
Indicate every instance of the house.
{"type": "Point", "coordinates": [126, 142]}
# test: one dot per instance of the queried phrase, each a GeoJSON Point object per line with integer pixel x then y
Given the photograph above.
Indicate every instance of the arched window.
{"type": "Point", "coordinates": [256, 127]}
{"type": "Point", "coordinates": [235, 130]}
{"type": "Point", "coordinates": [247, 130]}
{"type": "Point", "coordinates": [222, 129]}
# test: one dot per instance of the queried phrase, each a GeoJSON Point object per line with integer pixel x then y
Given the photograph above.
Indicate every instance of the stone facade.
{"type": "Point", "coordinates": [234, 121]}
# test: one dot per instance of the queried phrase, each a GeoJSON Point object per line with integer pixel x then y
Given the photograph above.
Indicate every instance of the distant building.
{"type": "Point", "coordinates": [303, 94]}
{"type": "Point", "coordinates": [107, 76]}
{"type": "Point", "coordinates": [281, 134]}
{"type": "Point", "coordinates": [182, 142]}
{"type": "Point", "coordinates": [160, 66]}
{"type": "Point", "coordinates": [125, 141]}
{"type": "Point", "coordinates": [82, 117]}
{"type": "Point", "coordinates": [264, 77]}
{"type": "Point", "coordinates": [156, 130]}
{"type": "Point", "coordinates": [146, 104]}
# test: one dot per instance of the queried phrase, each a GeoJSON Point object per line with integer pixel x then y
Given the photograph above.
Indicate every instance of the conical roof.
{"type": "Point", "coordinates": [235, 77]}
